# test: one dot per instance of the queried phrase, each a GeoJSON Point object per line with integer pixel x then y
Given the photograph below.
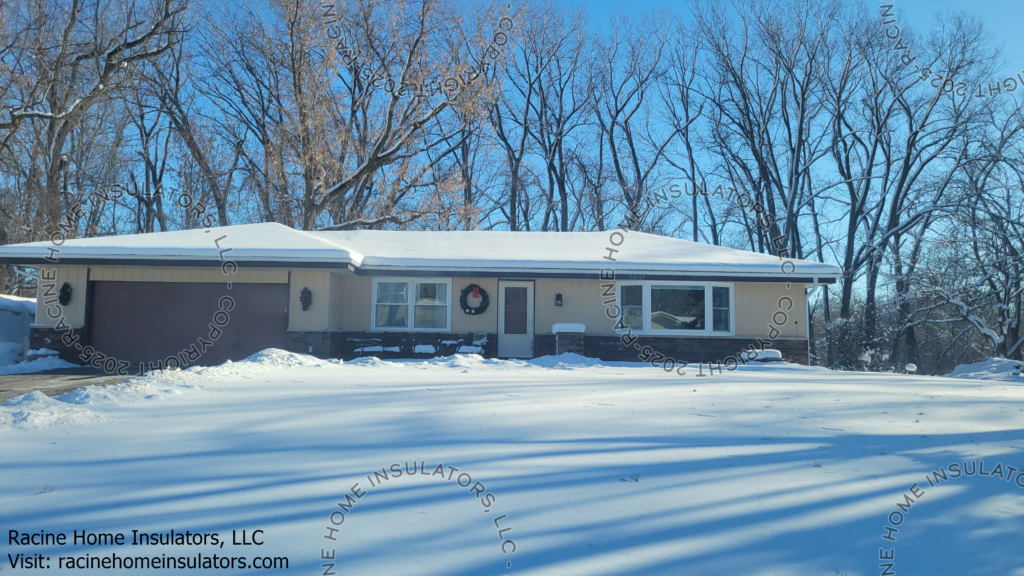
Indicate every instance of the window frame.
{"type": "Point", "coordinates": [709, 318]}
{"type": "Point", "coordinates": [413, 291]}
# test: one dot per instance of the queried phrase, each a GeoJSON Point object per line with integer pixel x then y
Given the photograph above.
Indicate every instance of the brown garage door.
{"type": "Point", "coordinates": [149, 321]}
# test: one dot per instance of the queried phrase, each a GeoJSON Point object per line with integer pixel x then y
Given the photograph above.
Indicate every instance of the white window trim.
{"type": "Point", "coordinates": [412, 304]}
{"type": "Point", "coordinates": [709, 318]}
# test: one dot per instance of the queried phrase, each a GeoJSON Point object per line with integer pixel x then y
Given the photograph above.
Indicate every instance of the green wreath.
{"type": "Point", "coordinates": [65, 294]}
{"type": "Point", "coordinates": [305, 298]}
{"type": "Point", "coordinates": [485, 300]}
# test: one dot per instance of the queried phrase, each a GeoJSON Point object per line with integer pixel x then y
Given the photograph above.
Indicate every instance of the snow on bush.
{"type": "Point", "coordinates": [766, 355]}
{"type": "Point", "coordinates": [991, 369]}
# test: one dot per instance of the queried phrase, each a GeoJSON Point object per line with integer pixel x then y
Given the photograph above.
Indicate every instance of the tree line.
{"type": "Point", "coordinates": [893, 154]}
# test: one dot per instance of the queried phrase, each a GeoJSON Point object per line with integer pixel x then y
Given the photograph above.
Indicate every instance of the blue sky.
{"type": "Point", "coordinates": [1001, 17]}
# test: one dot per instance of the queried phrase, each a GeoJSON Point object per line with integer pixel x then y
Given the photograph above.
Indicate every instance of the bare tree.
{"type": "Point", "coordinates": [632, 63]}
{"type": "Point", "coordinates": [78, 56]}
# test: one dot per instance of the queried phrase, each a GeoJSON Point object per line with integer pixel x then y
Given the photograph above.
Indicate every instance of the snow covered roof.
{"type": "Point", "coordinates": [570, 254]}
{"type": "Point", "coordinates": [267, 243]}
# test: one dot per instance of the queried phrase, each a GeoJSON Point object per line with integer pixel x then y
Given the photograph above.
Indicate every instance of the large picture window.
{"type": "Point", "coordinates": [412, 304]}
{"type": "Point", "coordinates": [682, 308]}
{"type": "Point", "coordinates": [677, 307]}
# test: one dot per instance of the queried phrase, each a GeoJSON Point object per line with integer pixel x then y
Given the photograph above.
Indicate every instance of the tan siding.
{"type": "Point", "coordinates": [756, 303]}
{"type": "Point", "coordinates": [337, 303]}
{"type": "Point", "coordinates": [186, 274]}
{"type": "Point", "coordinates": [74, 312]}
{"type": "Point", "coordinates": [581, 302]}
{"type": "Point", "coordinates": [354, 305]}
{"type": "Point", "coordinates": [480, 323]}
{"type": "Point", "coordinates": [318, 315]}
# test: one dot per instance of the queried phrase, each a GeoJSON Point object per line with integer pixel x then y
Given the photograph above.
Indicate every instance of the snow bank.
{"type": "Point", "coordinates": [566, 361]}
{"type": "Point", "coordinates": [12, 303]}
{"type": "Point", "coordinates": [475, 361]}
{"type": "Point", "coordinates": [10, 353]}
{"type": "Point", "coordinates": [277, 358]}
{"type": "Point", "coordinates": [48, 363]}
{"type": "Point", "coordinates": [991, 369]}
{"type": "Point", "coordinates": [36, 410]}
{"type": "Point", "coordinates": [147, 388]}
{"type": "Point", "coordinates": [271, 358]}
{"type": "Point", "coordinates": [159, 385]}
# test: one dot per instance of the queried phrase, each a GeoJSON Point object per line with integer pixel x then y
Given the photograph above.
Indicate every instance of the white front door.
{"type": "Point", "coordinates": [515, 319]}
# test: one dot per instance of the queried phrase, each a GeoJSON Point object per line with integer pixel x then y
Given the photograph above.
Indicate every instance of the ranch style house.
{"type": "Point", "coordinates": [203, 296]}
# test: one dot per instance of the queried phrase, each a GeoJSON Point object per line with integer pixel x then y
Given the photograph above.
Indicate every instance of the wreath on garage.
{"type": "Point", "coordinates": [305, 298]}
{"type": "Point", "coordinates": [65, 294]}
{"type": "Point", "coordinates": [474, 300]}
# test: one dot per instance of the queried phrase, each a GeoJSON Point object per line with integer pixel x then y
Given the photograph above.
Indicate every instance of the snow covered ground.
{"type": "Point", "coordinates": [596, 468]}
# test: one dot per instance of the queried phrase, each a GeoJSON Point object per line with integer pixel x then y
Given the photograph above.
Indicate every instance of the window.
{"type": "Point", "coordinates": [517, 310]}
{"type": "Point", "coordinates": [392, 305]}
{"type": "Point", "coordinates": [676, 308]}
{"type": "Point", "coordinates": [431, 305]}
{"type": "Point", "coordinates": [720, 308]}
{"type": "Point", "coordinates": [631, 299]}
{"type": "Point", "coordinates": [411, 304]}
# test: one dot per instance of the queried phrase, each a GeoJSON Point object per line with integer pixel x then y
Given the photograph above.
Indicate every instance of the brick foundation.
{"type": "Point", "coordinates": [569, 343]}
{"type": "Point", "coordinates": [46, 337]}
{"type": "Point", "coordinates": [308, 342]}
{"type": "Point", "coordinates": [349, 345]}
{"type": "Point", "coordinates": [384, 345]}
{"type": "Point", "coordinates": [610, 348]}
{"type": "Point", "coordinates": [692, 350]}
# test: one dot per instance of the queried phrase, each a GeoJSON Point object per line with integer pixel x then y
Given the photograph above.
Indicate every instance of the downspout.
{"type": "Point", "coordinates": [808, 292]}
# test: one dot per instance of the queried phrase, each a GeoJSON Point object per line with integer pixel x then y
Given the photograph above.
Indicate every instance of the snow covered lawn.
{"type": "Point", "coordinates": [597, 469]}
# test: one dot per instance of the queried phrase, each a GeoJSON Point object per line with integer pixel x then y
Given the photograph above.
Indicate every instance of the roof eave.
{"type": "Point", "coordinates": [598, 274]}
{"type": "Point", "coordinates": [42, 262]}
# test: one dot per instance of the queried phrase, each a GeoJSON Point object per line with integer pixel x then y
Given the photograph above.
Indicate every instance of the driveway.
{"type": "Point", "coordinates": [56, 382]}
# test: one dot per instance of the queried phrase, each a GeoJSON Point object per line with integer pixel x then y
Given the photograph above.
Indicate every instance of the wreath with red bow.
{"type": "Point", "coordinates": [475, 292]}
